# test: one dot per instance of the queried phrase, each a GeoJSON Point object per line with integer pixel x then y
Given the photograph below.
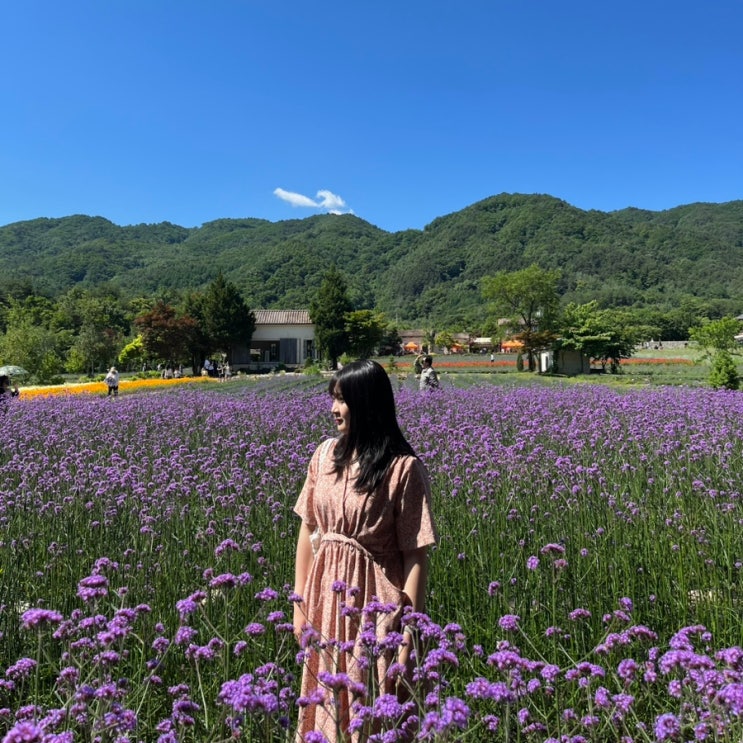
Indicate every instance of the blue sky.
{"type": "Point", "coordinates": [192, 110]}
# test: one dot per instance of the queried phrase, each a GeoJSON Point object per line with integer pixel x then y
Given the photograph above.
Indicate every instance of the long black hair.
{"type": "Point", "coordinates": [374, 436]}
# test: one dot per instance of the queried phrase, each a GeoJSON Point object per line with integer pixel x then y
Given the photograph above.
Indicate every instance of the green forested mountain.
{"type": "Point", "coordinates": [690, 254]}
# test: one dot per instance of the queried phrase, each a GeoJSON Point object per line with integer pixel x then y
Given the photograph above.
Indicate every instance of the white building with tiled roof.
{"type": "Point", "coordinates": [284, 337]}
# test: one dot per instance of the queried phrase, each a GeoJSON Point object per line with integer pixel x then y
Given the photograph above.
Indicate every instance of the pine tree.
{"type": "Point", "coordinates": [328, 312]}
{"type": "Point", "coordinates": [227, 318]}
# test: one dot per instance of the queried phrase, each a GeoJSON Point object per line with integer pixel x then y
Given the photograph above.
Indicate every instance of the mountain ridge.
{"type": "Point", "coordinates": [628, 257]}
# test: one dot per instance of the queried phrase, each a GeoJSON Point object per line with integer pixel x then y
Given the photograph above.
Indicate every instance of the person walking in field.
{"type": "Point", "coordinates": [366, 529]}
{"type": "Point", "coordinates": [112, 382]}
{"type": "Point", "coordinates": [429, 379]}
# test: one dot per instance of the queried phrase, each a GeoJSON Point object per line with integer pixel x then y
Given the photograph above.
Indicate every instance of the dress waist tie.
{"type": "Point", "coordinates": [334, 536]}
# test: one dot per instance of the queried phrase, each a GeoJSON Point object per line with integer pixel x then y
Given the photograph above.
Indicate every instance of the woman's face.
{"type": "Point", "coordinates": [340, 412]}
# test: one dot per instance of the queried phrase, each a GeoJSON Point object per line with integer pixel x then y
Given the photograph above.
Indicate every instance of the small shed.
{"type": "Point", "coordinates": [564, 361]}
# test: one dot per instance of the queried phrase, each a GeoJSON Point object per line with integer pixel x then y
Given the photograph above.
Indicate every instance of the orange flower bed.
{"type": "Point", "coordinates": [93, 388]}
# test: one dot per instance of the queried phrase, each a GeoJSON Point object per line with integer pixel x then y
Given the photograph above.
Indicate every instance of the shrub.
{"type": "Point", "coordinates": [724, 374]}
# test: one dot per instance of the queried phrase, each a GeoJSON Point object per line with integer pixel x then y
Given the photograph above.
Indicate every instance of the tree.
{"type": "Point", "coordinates": [530, 300]}
{"type": "Point", "coordinates": [365, 329]}
{"type": "Point", "coordinates": [133, 353]}
{"type": "Point", "coordinates": [598, 334]}
{"type": "Point", "coordinates": [94, 347]}
{"type": "Point", "coordinates": [391, 341]}
{"type": "Point", "coordinates": [328, 312]}
{"type": "Point", "coordinates": [717, 339]}
{"type": "Point", "coordinates": [716, 335]}
{"type": "Point", "coordinates": [33, 346]}
{"type": "Point", "coordinates": [445, 339]}
{"type": "Point", "coordinates": [200, 346]}
{"type": "Point", "coordinates": [98, 324]}
{"type": "Point", "coordinates": [227, 320]}
{"type": "Point", "coordinates": [165, 335]}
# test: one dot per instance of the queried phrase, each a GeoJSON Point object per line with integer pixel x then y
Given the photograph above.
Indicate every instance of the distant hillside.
{"type": "Point", "coordinates": [625, 258]}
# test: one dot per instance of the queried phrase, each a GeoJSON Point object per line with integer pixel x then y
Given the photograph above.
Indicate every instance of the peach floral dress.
{"type": "Point", "coordinates": [363, 538]}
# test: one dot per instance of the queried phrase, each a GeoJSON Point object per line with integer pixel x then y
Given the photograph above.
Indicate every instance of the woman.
{"type": "Point", "coordinates": [367, 502]}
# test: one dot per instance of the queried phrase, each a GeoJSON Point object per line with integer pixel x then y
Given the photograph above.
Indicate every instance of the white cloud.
{"type": "Point", "coordinates": [328, 200]}
{"type": "Point", "coordinates": [295, 199]}
{"type": "Point", "coordinates": [323, 200]}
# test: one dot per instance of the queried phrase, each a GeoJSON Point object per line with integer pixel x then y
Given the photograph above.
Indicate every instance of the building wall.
{"type": "Point", "coordinates": [277, 344]}
{"type": "Point", "coordinates": [568, 362]}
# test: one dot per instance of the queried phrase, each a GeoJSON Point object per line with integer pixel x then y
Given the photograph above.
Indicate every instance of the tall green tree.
{"type": "Point", "coordinates": [133, 354]}
{"type": "Point", "coordinates": [227, 319]}
{"type": "Point", "coordinates": [201, 347]}
{"type": "Point", "coordinates": [365, 330]}
{"type": "Point", "coordinates": [328, 312]}
{"type": "Point", "coordinates": [94, 348]}
{"type": "Point", "coordinates": [530, 300]}
{"type": "Point", "coordinates": [31, 344]}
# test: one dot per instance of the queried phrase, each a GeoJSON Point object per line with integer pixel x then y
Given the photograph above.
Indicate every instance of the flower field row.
{"type": "Point", "coordinates": [657, 362]}
{"type": "Point", "coordinates": [447, 362]}
{"type": "Point", "coordinates": [126, 385]}
{"type": "Point", "coordinates": [586, 587]}
{"type": "Point", "coordinates": [454, 363]}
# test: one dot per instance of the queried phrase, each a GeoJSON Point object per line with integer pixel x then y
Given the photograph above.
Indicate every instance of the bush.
{"type": "Point", "coordinates": [724, 374]}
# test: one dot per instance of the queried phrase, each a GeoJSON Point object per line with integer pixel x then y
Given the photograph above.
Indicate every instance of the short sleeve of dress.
{"type": "Point", "coordinates": [304, 507]}
{"type": "Point", "coordinates": [414, 517]}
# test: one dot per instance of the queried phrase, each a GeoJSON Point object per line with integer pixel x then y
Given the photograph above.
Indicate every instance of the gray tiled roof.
{"type": "Point", "coordinates": [282, 317]}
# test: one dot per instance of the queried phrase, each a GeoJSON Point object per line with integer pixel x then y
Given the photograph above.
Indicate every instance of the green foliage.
{"type": "Point", "coordinates": [444, 339]}
{"type": "Point", "coordinates": [94, 348]}
{"type": "Point", "coordinates": [36, 348]}
{"type": "Point", "coordinates": [677, 265]}
{"type": "Point", "coordinates": [166, 336]}
{"type": "Point", "coordinates": [227, 320]}
{"type": "Point", "coordinates": [391, 341]}
{"type": "Point", "coordinates": [716, 335]}
{"type": "Point", "coordinates": [365, 329]}
{"type": "Point", "coordinates": [598, 334]}
{"type": "Point", "coordinates": [530, 300]}
{"type": "Point", "coordinates": [328, 311]}
{"type": "Point", "coordinates": [133, 354]}
{"type": "Point", "coordinates": [724, 374]}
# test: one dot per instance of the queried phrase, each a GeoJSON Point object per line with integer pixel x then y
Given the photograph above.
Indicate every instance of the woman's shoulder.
{"type": "Point", "coordinates": [324, 450]}
{"type": "Point", "coordinates": [405, 464]}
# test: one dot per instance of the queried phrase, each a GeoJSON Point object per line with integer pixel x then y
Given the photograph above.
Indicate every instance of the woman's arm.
{"type": "Point", "coordinates": [415, 575]}
{"type": "Point", "coordinates": [302, 564]}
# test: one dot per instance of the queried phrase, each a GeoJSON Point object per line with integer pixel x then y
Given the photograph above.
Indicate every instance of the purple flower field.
{"type": "Point", "coordinates": [587, 585]}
